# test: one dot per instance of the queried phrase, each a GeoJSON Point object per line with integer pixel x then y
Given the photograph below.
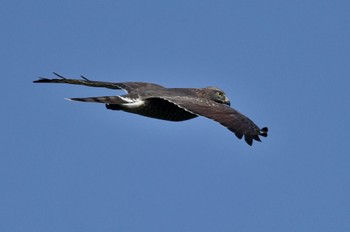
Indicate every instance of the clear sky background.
{"type": "Point", "coordinates": [67, 166]}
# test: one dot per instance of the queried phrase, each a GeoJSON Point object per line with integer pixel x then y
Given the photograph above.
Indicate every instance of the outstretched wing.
{"type": "Point", "coordinates": [233, 120]}
{"type": "Point", "coordinates": [191, 100]}
{"type": "Point", "coordinates": [126, 86]}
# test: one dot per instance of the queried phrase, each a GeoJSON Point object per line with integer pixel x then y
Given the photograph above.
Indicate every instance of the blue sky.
{"type": "Point", "coordinates": [68, 166]}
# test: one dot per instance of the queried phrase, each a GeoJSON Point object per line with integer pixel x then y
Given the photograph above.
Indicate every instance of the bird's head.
{"type": "Point", "coordinates": [218, 95]}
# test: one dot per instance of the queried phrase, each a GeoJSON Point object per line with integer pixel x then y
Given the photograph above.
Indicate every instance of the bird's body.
{"type": "Point", "coordinates": [171, 104]}
{"type": "Point", "coordinates": [155, 108]}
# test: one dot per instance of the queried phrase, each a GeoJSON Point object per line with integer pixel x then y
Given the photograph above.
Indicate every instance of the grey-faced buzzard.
{"type": "Point", "coordinates": [172, 104]}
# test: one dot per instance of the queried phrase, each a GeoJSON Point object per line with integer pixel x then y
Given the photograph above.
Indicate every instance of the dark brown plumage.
{"type": "Point", "coordinates": [172, 104]}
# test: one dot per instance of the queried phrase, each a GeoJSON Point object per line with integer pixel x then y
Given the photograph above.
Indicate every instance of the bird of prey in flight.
{"type": "Point", "coordinates": [172, 104]}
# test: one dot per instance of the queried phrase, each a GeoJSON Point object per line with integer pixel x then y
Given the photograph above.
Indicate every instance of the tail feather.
{"type": "Point", "coordinates": [104, 99]}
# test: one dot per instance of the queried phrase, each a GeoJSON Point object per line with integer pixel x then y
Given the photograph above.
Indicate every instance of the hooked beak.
{"type": "Point", "coordinates": [227, 101]}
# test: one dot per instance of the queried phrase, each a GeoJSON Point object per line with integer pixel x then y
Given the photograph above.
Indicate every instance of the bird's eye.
{"type": "Point", "coordinates": [220, 94]}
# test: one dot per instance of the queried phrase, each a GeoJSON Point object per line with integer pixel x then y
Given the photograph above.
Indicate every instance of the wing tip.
{"type": "Point", "coordinates": [250, 138]}
{"type": "Point", "coordinates": [263, 131]}
{"type": "Point", "coordinates": [48, 80]}
{"type": "Point", "coordinates": [42, 80]}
